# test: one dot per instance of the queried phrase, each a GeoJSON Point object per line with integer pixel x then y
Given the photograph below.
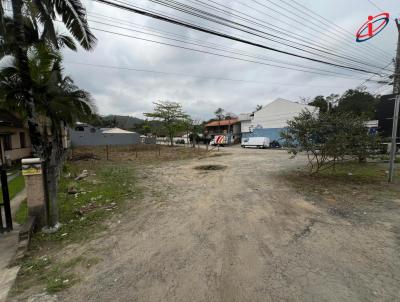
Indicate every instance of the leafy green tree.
{"type": "Point", "coordinates": [219, 113]}
{"type": "Point", "coordinates": [320, 102]}
{"type": "Point", "coordinates": [328, 137]}
{"type": "Point", "coordinates": [172, 117]}
{"type": "Point", "coordinates": [358, 102]}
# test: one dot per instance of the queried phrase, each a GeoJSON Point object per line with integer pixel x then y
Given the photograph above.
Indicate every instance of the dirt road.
{"type": "Point", "coordinates": [238, 234]}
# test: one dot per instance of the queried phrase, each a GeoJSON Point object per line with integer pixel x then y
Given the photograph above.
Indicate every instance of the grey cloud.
{"type": "Point", "coordinates": [128, 92]}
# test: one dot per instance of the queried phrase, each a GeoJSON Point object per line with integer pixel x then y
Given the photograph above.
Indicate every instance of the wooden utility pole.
{"type": "Point", "coordinates": [396, 92]}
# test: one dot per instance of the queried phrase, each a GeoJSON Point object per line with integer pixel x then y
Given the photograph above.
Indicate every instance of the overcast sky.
{"type": "Point", "coordinates": [129, 92]}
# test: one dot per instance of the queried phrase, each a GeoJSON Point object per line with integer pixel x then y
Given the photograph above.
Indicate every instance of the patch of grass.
{"type": "Point", "coordinates": [103, 193]}
{"type": "Point", "coordinates": [347, 188]}
{"type": "Point", "coordinates": [354, 171]}
{"type": "Point", "coordinates": [22, 213]}
{"type": "Point", "coordinates": [109, 189]}
{"type": "Point", "coordinates": [54, 276]}
{"type": "Point", "coordinates": [386, 157]}
{"type": "Point", "coordinates": [15, 186]}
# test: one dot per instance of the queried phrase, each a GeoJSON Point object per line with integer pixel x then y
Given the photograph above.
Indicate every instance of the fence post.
{"type": "Point", "coordinates": [6, 199]}
{"type": "Point", "coordinates": [107, 151]}
{"type": "Point", "coordinates": [32, 170]}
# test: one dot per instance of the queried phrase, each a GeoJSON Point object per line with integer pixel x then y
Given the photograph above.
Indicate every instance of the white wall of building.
{"type": "Point", "coordinates": [277, 113]}
{"type": "Point", "coordinates": [245, 122]}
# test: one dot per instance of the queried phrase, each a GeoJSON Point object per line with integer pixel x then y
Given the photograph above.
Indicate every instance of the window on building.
{"type": "Point", "coordinates": [79, 128]}
{"type": "Point", "coordinates": [22, 139]}
{"type": "Point", "coordinates": [7, 142]}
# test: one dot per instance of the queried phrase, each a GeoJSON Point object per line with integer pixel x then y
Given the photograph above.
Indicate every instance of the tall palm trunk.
{"type": "Point", "coordinates": [22, 63]}
{"type": "Point", "coordinates": [54, 161]}
{"type": "Point", "coordinates": [21, 57]}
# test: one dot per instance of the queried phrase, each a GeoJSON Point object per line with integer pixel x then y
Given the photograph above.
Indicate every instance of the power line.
{"type": "Point", "coordinates": [341, 29]}
{"type": "Point", "coordinates": [219, 55]}
{"type": "Point", "coordinates": [213, 45]}
{"type": "Point", "coordinates": [303, 31]}
{"type": "Point", "coordinates": [191, 26]}
{"type": "Point", "coordinates": [272, 27]}
{"type": "Point", "coordinates": [211, 17]}
{"type": "Point", "coordinates": [186, 75]}
{"type": "Point", "coordinates": [370, 78]}
{"type": "Point", "coordinates": [221, 49]}
{"type": "Point", "coordinates": [376, 6]}
{"type": "Point", "coordinates": [305, 22]}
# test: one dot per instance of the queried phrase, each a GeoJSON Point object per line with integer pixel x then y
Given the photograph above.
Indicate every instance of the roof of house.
{"type": "Point", "coordinates": [9, 119]}
{"type": "Point", "coordinates": [222, 123]}
{"type": "Point", "coordinates": [117, 131]}
{"type": "Point", "coordinates": [287, 102]}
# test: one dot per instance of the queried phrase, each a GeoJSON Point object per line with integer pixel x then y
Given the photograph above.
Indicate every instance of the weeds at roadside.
{"type": "Point", "coordinates": [352, 190]}
{"type": "Point", "coordinates": [84, 208]}
{"type": "Point", "coordinates": [53, 276]}
{"type": "Point", "coordinates": [109, 189]}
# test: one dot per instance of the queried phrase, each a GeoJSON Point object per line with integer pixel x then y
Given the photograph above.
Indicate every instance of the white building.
{"type": "Point", "coordinates": [87, 135]}
{"type": "Point", "coordinates": [271, 119]}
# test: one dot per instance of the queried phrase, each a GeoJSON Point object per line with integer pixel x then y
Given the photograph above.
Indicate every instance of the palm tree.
{"type": "Point", "coordinates": [56, 98]}
{"type": "Point", "coordinates": [17, 41]}
{"type": "Point", "coordinates": [73, 16]}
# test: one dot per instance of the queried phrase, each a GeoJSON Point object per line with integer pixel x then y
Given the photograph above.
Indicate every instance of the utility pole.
{"type": "Point", "coordinates": [396, 92]}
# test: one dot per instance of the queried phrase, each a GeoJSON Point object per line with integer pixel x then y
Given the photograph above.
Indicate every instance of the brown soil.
{"type": "Point", "coordinates": [241, 234]}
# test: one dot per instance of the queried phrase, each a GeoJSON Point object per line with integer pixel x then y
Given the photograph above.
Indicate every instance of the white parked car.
{"type": "Point", "coordinates": [258, 142]}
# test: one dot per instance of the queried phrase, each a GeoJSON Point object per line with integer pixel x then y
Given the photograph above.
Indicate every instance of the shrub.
{"type": "Point", "coordinates": [329, 137]}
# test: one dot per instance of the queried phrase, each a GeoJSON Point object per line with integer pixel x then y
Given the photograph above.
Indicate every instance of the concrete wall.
{"type": "Point", "coordinates": [245, 126]}
{"type": "Point", "coordinates": [149, 140]}
{"type": "Point", "coordinates": [271, 133]}
{"type": "Point", "coordinates": [272, 119]}
{"type": "Point", "coordinates": [277, 113]}
{"type": "Point", "coordinates": [94, 137]}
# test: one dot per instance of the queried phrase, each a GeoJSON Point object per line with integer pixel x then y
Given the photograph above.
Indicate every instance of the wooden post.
{"type": "Point", "coordinates": [107, 151]}
{"type": "Point", "coordinates": [159, 151]}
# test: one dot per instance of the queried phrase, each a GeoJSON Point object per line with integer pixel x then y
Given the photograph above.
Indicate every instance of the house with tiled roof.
{"type": "Point", "coordinates": [227, 127]}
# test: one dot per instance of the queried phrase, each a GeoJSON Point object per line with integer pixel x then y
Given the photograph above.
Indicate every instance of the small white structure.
{"type": "Point", "coordinates": [87, 135]}
{"type": "Point", "coordinates": [271, 119]}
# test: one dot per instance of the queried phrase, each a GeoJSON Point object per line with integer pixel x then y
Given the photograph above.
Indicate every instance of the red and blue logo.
{"type": "Point", "coordinates": [372, 27]}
